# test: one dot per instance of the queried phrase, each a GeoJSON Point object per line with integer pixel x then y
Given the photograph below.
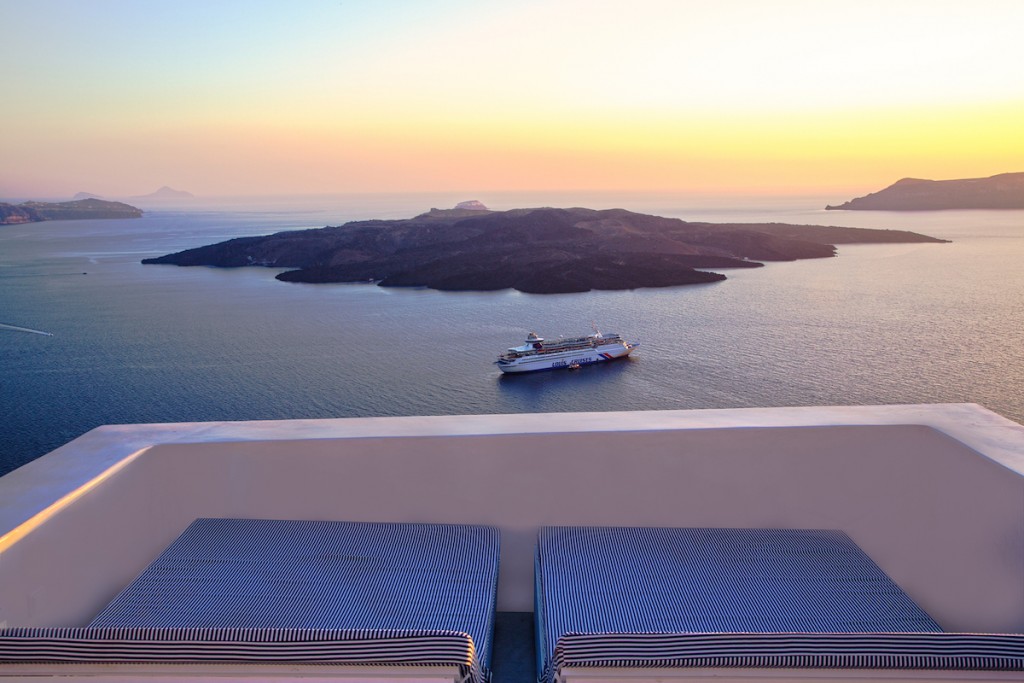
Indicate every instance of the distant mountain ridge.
{"type": "Point", "coordinates": [166, 193]}
{"type": "Point", "coordinates": [1003, 191]}
{"type": "Point", "coordinates": [33, 212]}
{"type": "Point", "coordinates": [541, 250]}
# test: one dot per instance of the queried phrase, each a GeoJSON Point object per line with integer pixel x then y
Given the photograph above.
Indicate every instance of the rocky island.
{"type": "Point", "coordinates": [1003, 191]}
{"type": "Point", "coordinates": [532, 250]}
{"type": "Point", "coordinates": [33, 212]}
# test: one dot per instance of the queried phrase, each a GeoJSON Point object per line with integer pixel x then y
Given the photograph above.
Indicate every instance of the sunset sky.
{"type": "Point", "coordinates": [119, 97]}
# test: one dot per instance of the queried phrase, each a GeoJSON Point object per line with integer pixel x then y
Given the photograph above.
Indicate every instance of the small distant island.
{"type": "Point", "coordinates": [1003, 191]}
{"type": "Point", "coordinates": [166, 193]}
{"type": "Point", "coordinates": [80, 209]}
{"type": "Point", "coordinates": [544, 251]}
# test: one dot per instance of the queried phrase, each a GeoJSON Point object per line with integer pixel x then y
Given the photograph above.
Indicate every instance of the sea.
{"type": "Point", "coordinates": [128, 343]}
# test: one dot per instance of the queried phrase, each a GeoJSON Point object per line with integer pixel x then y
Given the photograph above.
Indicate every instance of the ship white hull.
{"type": "Point", "coordinates": [563, 359]}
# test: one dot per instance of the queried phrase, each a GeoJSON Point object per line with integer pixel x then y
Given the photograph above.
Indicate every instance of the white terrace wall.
{"type": "Point", "coordinates": [943, 521]}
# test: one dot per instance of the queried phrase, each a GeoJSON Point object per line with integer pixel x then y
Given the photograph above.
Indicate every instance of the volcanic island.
{"type": "Point", "coordinates": [541, 250]}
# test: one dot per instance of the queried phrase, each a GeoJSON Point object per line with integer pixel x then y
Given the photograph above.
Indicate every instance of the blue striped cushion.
{"type": "Point", "coordinates": [259, 646]}
{"type": "Point", "coordinates": [126, 644]}
{"type": "Point", "coordinates": [942, 651]}
{"type": "Point", "coordinates": [610, 580]}
{"type": "Point", "coordinates": [281, 575]}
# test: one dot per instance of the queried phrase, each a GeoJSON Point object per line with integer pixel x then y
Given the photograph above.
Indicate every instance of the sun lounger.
{"type": "Point", "coordinates": [272, 592]}
{"type": "Point", "coordinates": [658, 598]}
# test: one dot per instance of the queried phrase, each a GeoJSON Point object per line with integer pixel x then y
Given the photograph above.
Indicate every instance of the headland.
{"type": "Point", "coordinates": [33, 212]}
{"type": "Point", "coordinates": [1003, 191]}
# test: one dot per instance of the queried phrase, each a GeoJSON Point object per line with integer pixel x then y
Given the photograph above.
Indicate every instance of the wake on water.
{"type": "Point", "coordinates": [24, 329]}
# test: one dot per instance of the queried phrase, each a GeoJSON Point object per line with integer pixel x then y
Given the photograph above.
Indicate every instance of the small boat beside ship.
{"type": "Point", "coordinates": [564, 352]}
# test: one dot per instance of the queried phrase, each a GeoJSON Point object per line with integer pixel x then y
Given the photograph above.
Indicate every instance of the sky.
{"type": "Point", "coordinates": [120, 97]}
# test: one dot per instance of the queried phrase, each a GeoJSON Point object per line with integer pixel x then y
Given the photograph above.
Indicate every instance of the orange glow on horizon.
{"type": "Point", "coordinates": [547, 96]}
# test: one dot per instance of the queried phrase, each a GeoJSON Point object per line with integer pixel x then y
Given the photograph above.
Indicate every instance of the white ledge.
{"type": "Point", "coordinates": [37, 485]}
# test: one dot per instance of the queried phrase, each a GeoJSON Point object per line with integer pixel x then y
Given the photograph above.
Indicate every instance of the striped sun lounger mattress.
{"type": "Point", "coordinates": [785, 598]}
{"type": "Point", "coordinates": [233, 590]}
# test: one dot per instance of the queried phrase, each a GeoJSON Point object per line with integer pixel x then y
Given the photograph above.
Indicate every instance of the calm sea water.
{"type": "Point", "coordinates": [133, 343]}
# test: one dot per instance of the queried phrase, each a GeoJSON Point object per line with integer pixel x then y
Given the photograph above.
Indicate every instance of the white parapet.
{"type": "Point", "coordinates": [933, 493]}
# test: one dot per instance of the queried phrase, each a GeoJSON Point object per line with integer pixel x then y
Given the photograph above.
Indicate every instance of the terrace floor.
{"type": "Point", "coordinates": [514, 657]}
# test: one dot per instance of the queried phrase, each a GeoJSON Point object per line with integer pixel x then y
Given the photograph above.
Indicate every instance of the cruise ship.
{"type": "Point", "coordinates": [564, 352]}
